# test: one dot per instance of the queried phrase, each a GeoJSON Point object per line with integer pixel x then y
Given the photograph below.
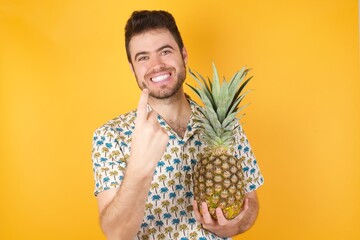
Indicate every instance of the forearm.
{"type": "Point", "coordinates": [122, 217]}
{"type": "Point", "coordinates": [249, 217]}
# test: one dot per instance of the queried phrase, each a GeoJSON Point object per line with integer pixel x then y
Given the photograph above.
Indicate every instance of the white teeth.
{"type": "Point", "coordinates": [160, 78]}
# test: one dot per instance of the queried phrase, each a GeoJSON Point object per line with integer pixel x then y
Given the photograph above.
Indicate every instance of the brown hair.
{"type": "Point", "coordinates": [142, 21]}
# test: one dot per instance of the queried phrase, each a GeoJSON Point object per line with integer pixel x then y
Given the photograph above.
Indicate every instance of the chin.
{"type": "Point", "coordinates": [164, 94]}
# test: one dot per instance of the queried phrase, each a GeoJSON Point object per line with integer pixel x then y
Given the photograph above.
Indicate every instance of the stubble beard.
{"type": "Point", "coordinates": [165, 93]}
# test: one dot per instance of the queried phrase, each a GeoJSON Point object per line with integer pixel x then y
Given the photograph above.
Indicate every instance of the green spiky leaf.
{"type": "Point", "coordinates": [221, 104]}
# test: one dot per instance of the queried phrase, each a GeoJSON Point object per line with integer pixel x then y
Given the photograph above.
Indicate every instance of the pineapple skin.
{"type": "Point", "coordinates": [218, 181]}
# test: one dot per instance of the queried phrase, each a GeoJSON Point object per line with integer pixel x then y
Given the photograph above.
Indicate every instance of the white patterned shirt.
{"type": "Point", "coordinates": [168, 212]}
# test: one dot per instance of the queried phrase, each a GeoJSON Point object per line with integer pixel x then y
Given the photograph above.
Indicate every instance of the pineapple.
{"type": "Point", "coordinates": [218, 176]}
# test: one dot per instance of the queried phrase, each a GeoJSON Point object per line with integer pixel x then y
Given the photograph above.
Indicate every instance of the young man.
{"type": "Point", "coordinates": [143, 160]}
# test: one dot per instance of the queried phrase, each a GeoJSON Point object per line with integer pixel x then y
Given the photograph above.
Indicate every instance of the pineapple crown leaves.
{"type": "Point", "coordinates": [221, 101]}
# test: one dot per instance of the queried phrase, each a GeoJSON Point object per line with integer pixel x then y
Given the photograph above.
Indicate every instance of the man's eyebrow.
{"type": "Point", "coordinates": [165, 46]}
{"type": "Point", "coordinates": [140, 53]}
{"type": "Point", "coordinates": [157, 50]}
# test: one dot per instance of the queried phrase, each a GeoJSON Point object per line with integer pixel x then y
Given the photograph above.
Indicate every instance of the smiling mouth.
{"type": "Point", "coordinates": [160, 78]}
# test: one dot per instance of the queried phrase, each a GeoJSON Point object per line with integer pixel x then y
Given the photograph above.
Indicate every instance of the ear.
{"type": "Point", "coordinates": [185, 55]}
{"type": "Point", "coordinates": [132, 68]}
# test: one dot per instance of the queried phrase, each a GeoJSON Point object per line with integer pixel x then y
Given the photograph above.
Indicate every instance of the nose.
{"type": "Point", "coordinates": [156, 63]}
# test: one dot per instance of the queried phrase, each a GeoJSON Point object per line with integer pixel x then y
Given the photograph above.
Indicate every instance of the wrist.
{"type": "Point", "coordinates": [139, 172]}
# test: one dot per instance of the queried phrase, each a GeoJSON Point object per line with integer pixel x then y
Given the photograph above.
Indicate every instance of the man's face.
{"type": "Point", "coordinates": [158, 63]}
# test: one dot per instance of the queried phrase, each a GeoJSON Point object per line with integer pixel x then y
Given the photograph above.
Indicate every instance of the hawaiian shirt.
{"type": "Point", "coordinates": [168, 211]}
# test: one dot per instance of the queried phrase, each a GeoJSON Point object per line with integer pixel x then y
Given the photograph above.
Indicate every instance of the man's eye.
{"type": "Point", "coordinates": [165, 52]}
{"type": "Point", "coordinates": [143, 58]}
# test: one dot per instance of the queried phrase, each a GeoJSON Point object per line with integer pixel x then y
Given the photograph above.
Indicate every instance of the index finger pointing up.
{"type": "Point", "coordinates": [142, 105]}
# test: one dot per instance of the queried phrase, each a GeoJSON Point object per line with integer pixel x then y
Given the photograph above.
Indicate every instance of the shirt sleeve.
{"type": "Point", "coordinates": [108, 159]}
{"type": "Point", "coordinates": [253, 178]}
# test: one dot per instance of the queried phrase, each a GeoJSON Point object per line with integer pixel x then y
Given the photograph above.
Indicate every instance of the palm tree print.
{"type": "Point", "coordinates": [115, 154]}
{"type": "Point", "coordinates": [177, 162]}
{"type": "Point", "coordinates": [105, 169]}
{"type": "Point", "coordinates": [178, 175]}
{"type": "Point", "coordinates": [150, 217]}
{"type": "Point", "coordinates": [172, 196]}
{"type": "Point", "coordinates": [144, 225]}
{"type": "Point", "coordinates": [183, 227]}
{"type": "Point", "coordinates": [105, 150]}
{"type": "Point", "coordinates": [186, 168]}
{"type": "Point", "coordinates": [246, 170]}
{"type": "Point", "coordinates": [160, 165]}
{"type": "Point", "coordinates": [185, 156]}
{"type": "Point", "coordinates": [167, 158]}
{"type": "Point", "coordinates": [175, 222]}
{"type": "Point", "coordinates": [162, 178]}
{"type": "Point", "coordinates": [103, 160]}
{"type": "Point", "coordinates": [167, 216]}
{"type": "Point", "coordinates": [174, 209]}
{"type": "Point", "coordinates": [114, 184]}
{"type": "Point", "coordinates": [193, 235]}
{"type": "Point", "coordinates": [152, 232]}
{"type": "Point", "coordinates": [191, 222]}
{"type": "Point", "coordinates": [175, 150]}
{"type": "Point", "coordinates": [149, 206]}
{"type": "Point", "coordinates": [171, 184]}
{"type": "Point", "coordinates": [168, 208]}
{"type": "Point", "coordinates": [156, 198]}
{"type": "Point", "coordinates": [96, 155]}
{"type": "Point", "coordinates": [180, 201]}
{"type": "Point", "coordinates": [145, 237]}
{"type": "Point", "coordinates": [169, 169]}
{"type": "Point", "coordinates": [172, 138]}
{"type": "Point", "coordinates": [155, 186]}
{"type": "Point", "coordinates": [192, 150]}
{"type": "Point", "coordinates": [159, 224]}
{"type": "Point", "coordinates": [165, 204]}
{"type": "Point", "coordinates": [160, 236]}
{"type": "Point", "coordinates": [179, 187]}
{"type": "Point", "coordinates": [189, 208]}
{"type": "Point", "coordinates": [114, 174]}
{"type": "Point", "coordinates": [106, 180]}
{"type": "Point", "coordinates": [99, 143]}
{"type": "Point", "coordinates": [109, 135]}
{"type": "Point", "coordinates": [164, 190]}
{"type": "Point", "coordinates": [112, 164]}
{"type": "Point", "coordinates": [158, 211]}
{"type": "Point", "coordinates": [189, 195]}
{"type": "Point", "coordinates": [169, 230]}
{"type": "Point", "coordinates": [198, 144]}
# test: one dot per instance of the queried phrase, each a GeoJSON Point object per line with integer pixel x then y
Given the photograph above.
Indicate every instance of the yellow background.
{"type": "Point", "coordinates": [63, 73]}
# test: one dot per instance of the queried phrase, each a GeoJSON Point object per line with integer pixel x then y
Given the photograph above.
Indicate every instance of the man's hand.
{"type": "Point", "coordinates": [149, 139]}
{"type": "Point", "coordinates": [228, 228]}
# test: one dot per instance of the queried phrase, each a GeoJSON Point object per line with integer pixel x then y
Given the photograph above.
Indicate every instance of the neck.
{"type": "Point", "coordinates": [175, 111]}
